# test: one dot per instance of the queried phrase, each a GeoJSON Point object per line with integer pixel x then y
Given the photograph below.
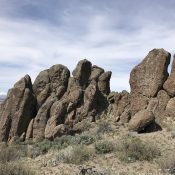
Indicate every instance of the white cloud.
{"type": "Point", "coordinates": [33, 45]}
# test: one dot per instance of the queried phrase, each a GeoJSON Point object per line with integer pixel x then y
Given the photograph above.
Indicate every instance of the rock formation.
{"type": "Point", "coordinates": [57, 103]}
{"type": "Point", "coordinates": [17, 110]}
{"type": "Point", "coordinates": [148, 78]}
{"type": "Point", "coordinates": [169, 85]}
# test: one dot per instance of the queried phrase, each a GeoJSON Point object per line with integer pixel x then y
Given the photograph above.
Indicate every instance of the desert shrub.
{"type": "Point", "coordinates": [168, 165]}
{"type": "Point", "coordinates": [104, 147]}
{"type": "Point", "coordinates": [104, 127]}
{"type": "Point", "coordinates": [86, 138]}
{"type": "Point", "coordinates": [14, 169]}
{"type": "Point", "coordinates": [75, 154]}
{"type": "Point", "coordinates": [132, 149]}
{"type": "Point", "coordinates": [39, 148]}
{"type": "Point", "coordinates": [59, 143]}
{"type": "Point", "coordinates": [9, 154]}
{"type": "Point", "coordinates": [44, 146]}
{"type": "Point", "coordinates": [66, 140]}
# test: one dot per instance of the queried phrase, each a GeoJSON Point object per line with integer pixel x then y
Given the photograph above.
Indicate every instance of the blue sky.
{"type": "Point", "coordinates": [113, 34]}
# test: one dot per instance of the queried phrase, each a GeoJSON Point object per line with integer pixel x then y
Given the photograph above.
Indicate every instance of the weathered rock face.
{"type": "Point", "coordinates": [158, 106]}
{"type": "Point", "coordinates": [41, 119]}
{"type": "Point", "coordinates": [81, 96]}
{"type": "Point", "coordinates": [119, 106]}
{"type": "Point", "coordinates": [141, 120]}
{"type": "Point", "coordinates": [18, 110]}
{"type": "Point", "coordinates": [58, 103]}
{"type": "Point", "coordinates": [147, 78]}
{"type": "Point", "coordinates": [82, 73]}
{"type": "Point", "coordinates": [103, 83]}
{"type": "Point", "coordinates": [53, 81]}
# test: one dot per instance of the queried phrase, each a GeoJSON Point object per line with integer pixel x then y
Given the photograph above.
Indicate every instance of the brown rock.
{"type": "Point", "coordinates": [41, 119]}
{"type": "Point", "coordinates": [53, 81]}
{"type": "Point", "coordinates": [41, 87]}
{"type": "Point", "coordinates": [111, 97]}
{"type": "Point", "coordinates": [141, 120]}
{"type": "Point", "coordinates": [104, 82]}
{"type": "Point", "coordinates": [95, 73]}
{"type": "Point", "coordinates": [148, 77]}
{"type": "Point", "coordinates": [123, 103]}
{"type": "Point", "coordinates": [82, 73]}
{"type": "Point", "coordinates": [59, 76]}
{"type": "Point", "coordinates": [58, 114]}
{"type": "Point", "coordinates": [90, 97]}
{"type": "Point", "coordinates": [160, 110]}
{"type": "Point", "coordinates": [169, 84]}
{"type": "Point", "coordinates": [29, 133]}
{"type": "Point", "coordinates": [74, 97]}
{"type": "Point", "coordinates": [170, 108]}
{"type": "Point", "coordinates": [18, 110]}
{"type": "Point", "coordinates": [56, 132]}
{"type": "Point", "coordinates": [125, 116]}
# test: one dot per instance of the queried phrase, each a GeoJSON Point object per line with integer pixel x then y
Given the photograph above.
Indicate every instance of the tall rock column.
{"type": "Point", "coordinates": [18, 110]}
{"type": "Point", "coordinates": [147, 78]}
{"type": "Point", "coordinates": [49, 87]}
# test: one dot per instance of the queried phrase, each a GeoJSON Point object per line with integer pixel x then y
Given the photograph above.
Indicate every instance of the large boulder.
{"type": "Point", "coordinates": [82, 73]}
{"type": "Point", "coordinates": [57, 116]}
{"type": "Point", "coordinates": [141, 120]}
{"type": "Point", "coordinates": [147, 78]}
{"type": "Point", "coordinates": [18, 110]}
{"type": "Point", "coordinates": [95, 73]}
{"type": "Point", "coordinates": [53, 81]}
{"type": "Point", "coordinates": [104, 82]}
{"type": "Point", "coordinates": [41, 87]}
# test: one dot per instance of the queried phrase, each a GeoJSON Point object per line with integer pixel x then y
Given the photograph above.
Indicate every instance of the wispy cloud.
{"type": "Point", "coordinates": [115, 35]}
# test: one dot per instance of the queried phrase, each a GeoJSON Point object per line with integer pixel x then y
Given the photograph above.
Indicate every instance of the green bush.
{"type": "Point", "coordinates": [68, 140]}
{"type": "Point", "coordinates": [39, 148]}
{"type": "Point", "coordinates": [132, 149]}
{"type": "Point", "coordinates": [75, 154]}
{"type": "Point", "coordinates": [65, 141]}
{"type": "Point", "coordinates": [86, 139]}
{"type": "Point", "coordinates": [104, 147]}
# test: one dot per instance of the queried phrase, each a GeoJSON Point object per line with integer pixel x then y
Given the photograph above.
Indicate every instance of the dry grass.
{"type": "Point", "coordinates": [9, 164]}
{"type": "Point", "coordinates": [75, 154]}
{"type": "Point", "coordinates": [132, 149]}
{"type": "Point", "coordinates": [167, 165]}
{"type": "Point", "coordinates": [104, 127]}
{"type": "Point", "coordinates": [104, 147]}
{"type": "Point", "coordinates": [14, 169]}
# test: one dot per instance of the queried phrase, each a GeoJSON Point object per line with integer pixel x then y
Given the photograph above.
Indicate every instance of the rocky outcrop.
{"type": "Point", "coordinates": [141, 120]}
{"type": "Point", "coordinates": [119, 106]}
{"type": "Point", "coordinates": [147, 78]}
{"type": "Point", "coordinates": [64, 101]}
{"type": "Point", "coordinates": [51, 82]}
{"type": "Point", "coordinates": [18, 110]}
{"type": "Point", "coordinates": [58, 103]}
